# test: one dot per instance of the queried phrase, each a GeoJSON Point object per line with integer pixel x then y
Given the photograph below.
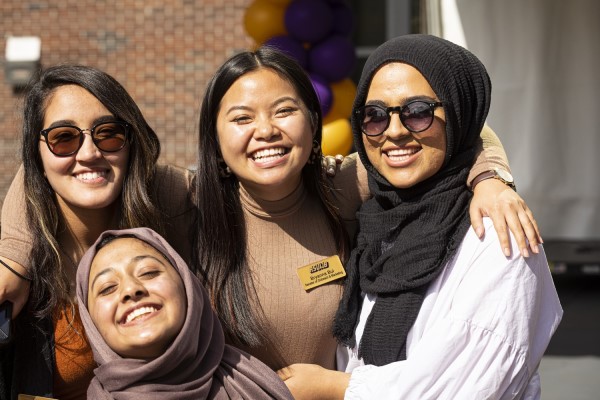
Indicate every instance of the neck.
{"type": "Point", "coordinates": [273, 192]}
{"type": "Point", "coordinates": [84, 226]}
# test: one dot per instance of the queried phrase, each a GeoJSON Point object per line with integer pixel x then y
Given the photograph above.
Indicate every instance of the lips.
{"type": "Point", "coordinates": [139, 312]}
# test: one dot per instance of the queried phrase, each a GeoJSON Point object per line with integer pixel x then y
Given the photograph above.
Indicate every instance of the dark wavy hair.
{"type": "Point", "coordinates": [221, 245]}
{"type": "Point", "coordinates": [51, 284]}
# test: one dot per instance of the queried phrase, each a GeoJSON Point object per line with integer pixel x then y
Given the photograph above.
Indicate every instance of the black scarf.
{"type": "Point", "coordinates": [406, 236]}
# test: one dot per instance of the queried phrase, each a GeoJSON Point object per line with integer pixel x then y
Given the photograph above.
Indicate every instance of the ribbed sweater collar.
{"type": "Point", "coordinates": [268, 209]}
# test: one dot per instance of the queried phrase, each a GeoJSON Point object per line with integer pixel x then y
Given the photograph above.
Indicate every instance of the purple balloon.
{"type": "Point", "coordinates": [333, 58]}
{"type": "Point", "coordinates": [308, 20]}
{"type": "Point", "coordinates": [343, 18]}
{"type": "Point", "coordinates": [324, 92]}
{"type": "Point", "coordinates": [291, 47]}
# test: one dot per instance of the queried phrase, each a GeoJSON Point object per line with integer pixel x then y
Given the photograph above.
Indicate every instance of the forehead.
{"type": "Point", "coordinates": [249, 85]}
{"type": "Point", "coordinates": [398, 80]}
{"type": "Point", "coordinates": [71, 101]}
{"type": "Point", "coordinates": [121, 251]}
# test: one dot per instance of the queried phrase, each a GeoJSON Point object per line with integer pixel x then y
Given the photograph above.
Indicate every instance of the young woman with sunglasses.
{"type": "Point", "coordinates": [270, 225]}
{"type": "Point", "coordinates": [429, 310]}
{"type": "Point", "coordinates": [89, 164]}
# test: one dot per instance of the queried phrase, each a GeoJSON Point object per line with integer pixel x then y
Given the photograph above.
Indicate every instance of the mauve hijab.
{"type": "Point", "coordinates": [197, 365]}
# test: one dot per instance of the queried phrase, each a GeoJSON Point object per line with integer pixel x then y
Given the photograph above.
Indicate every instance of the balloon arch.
{"type": "Point", "coordinates": [317, 34]}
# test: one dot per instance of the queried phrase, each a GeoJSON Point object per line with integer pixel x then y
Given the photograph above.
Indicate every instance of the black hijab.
{"type": "Point", "coordinates": [406, 236]}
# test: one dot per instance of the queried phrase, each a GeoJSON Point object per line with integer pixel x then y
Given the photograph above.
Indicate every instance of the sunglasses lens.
{"type": "Point", "coordinates": [63, 140]}
{"type": "Point", "coordinates": [375, 120]}
{"type": "Point", "coordinates": [110, 136]}
{"type": "Point", "coordinates": [417, 116]}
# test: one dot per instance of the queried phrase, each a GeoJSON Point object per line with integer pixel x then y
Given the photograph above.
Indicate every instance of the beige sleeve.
{"type": "Point", "coordinates": [172, 190]}
{"type": "Point", "coordinates": [16, 238]}
{"type": "Point", "coordinates": [350, 189]}
{"type": "Point", "coordinates": [490, 154]}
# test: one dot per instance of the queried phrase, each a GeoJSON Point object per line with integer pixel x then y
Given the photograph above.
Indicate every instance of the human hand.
{"type": "Point", "coordinates": [506, 208]}
{"type": "Point", "coordinates": [309, 381]}
{"type": "Point", "coordinates": [331, 163]}
{"type": "Point", "coordinates": [13, 287]}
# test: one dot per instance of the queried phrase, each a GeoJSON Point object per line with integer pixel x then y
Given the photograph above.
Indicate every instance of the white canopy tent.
{"type": "Point", "coordinates": [543, 58]}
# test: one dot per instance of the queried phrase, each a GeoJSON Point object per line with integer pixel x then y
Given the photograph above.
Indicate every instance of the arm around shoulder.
{"type": "Point", "coordinates": [16, 239]}
{"type": "Point", "coordinates": [490, 155]}
{"type": "Point", "coordinates": [15, 246]}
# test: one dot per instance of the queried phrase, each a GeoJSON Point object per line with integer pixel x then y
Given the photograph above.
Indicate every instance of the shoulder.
{"type": "Point", "coordinates": [172, 189]}
{"type": "Point", "coordinates": [505, 295]}
{"type": "Point", "coordinates": [171, 175]}
{"type": "Point", "coordinates": [485, 257]}
{"type": "Point", "coordinates": [350, 186]}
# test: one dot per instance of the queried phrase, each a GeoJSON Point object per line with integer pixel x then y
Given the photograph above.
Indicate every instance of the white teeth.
{"type": "Point", "coordinates": [140, 311]}
{"type": "Point", "coordinates": [272, 153]}
{"type": "Point", "coordinates": [85, 176]}
{"type": "Point", "coordinates": [401, 152]}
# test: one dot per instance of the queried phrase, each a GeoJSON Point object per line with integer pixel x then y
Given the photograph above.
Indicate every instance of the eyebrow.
{"type": "Point", "coordinates": [275, 103]}
{"type": "Point", "coordinates": [99, 120]}
{"type": "Point", "coordinates": [135, 260]}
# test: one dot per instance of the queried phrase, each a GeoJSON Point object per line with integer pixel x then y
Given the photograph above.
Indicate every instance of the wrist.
{"type": "Point", "coordinates": [15, 268]}
{"type": "Point", "coordinates": [337, 382]}
{"type": "Point", "coordinates": [495, 173]}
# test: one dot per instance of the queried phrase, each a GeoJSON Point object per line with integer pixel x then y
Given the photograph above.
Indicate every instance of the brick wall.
{"type": "Point", "coordinates": [163, 52]}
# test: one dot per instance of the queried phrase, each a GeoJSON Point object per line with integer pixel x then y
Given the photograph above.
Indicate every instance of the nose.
{"type": "Point", "coordinates": [396, 128]}
{"type": "Point", "coordinates": [88, 150]}
{"type": "Point", "coordinates": [132, 290]}
{"type": "Point", "coordinates": [265, 129]}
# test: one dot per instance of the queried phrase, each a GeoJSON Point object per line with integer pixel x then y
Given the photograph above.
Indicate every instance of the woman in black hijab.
{"type": "Point", "coordinates": [429, 310]}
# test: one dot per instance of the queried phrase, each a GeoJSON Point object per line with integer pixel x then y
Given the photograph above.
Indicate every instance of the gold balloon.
{"type": "Point", "coordinates": [337, 138]}
{"type": "Point", "coordinates": [344, 92]}
{"type": "Point", "coordinates": [264, 19]}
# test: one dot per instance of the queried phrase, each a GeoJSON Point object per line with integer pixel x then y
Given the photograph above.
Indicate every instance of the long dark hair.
{"type": "Point", "coordinates": [222, 240]}
{"type": "Point", "coordinates": [51, 284]}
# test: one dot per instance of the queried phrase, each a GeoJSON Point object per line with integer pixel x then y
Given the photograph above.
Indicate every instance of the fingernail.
{"type": "Point", "coordinates": [507, 252]}
{"type": "Point", "coordinates": [535, 249]}
{"type": "Point", "coordinates": [479, 231]}
{"type": "Point", "coordinates": [525, 252]}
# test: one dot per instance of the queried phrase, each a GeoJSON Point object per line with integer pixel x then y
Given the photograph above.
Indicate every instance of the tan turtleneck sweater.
{"type": "Point", "coordinates": [283, 236]}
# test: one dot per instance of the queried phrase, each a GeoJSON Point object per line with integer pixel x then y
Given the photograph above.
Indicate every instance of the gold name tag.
{"type": "Point", "coordinates": [321, 272]}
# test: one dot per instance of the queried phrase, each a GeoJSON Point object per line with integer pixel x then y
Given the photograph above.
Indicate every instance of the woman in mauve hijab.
{"type": "Point", "coordinates": [152, 330]}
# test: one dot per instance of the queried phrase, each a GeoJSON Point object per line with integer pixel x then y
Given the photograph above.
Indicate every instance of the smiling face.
{"type": "Point", "coordinates": [402, 157]}
{"type": "Point", "coordinates": [265, 134]}
{"type": "Point", "coordinates": [90, 178]}
{"type": "Point", "coordinates": [136, 298]}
